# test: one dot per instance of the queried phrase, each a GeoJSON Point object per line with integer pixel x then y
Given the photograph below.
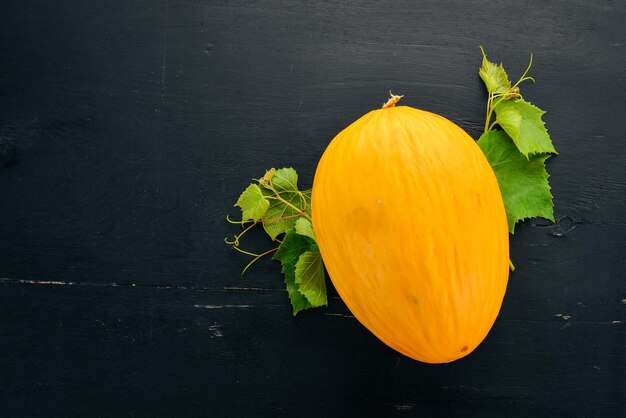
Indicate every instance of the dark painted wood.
{"type": "Point", "coordinates": [128, 128]}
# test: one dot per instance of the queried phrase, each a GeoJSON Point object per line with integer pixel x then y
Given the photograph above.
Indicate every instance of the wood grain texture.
{"type": "Point", "coordinates": [128, 129]}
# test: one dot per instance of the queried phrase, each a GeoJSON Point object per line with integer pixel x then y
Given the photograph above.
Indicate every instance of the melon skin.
{"type": "Point", "coordinates": [412, 229]}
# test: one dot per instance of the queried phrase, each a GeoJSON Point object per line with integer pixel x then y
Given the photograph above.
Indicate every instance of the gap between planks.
{"type": "Point", "coordinates": [136, 285]}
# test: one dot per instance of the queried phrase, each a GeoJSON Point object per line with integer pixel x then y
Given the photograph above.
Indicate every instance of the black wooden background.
{"type": "Point", "coordinates": [128, 128]}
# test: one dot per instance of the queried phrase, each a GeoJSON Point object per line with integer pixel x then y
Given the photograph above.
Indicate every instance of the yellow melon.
{"type": "Point", "coordinates": [412, 229]}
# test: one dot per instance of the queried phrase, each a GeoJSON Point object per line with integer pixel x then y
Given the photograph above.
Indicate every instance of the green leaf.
{"type": "Point", "coordinates": [304, 227]}
{"type": "Point", "coordinates": [522, 122]}
{"type": "Point", "coordinates": [495, 78]}
{"type": "Point", "coordinates": [523, 180]}
{"type": "Point", "coordinates": [281, 216]}
{"type": "Point", "coordinates": [292, 247]}
{"type": "Point", "coordinates": [252, 203]}
{"type": "Point", "coordinates": [299, 302]}
{"type": "Point", "coordinates": [285, 180]}
{"type": "Point", "coordinates": [310, 276]}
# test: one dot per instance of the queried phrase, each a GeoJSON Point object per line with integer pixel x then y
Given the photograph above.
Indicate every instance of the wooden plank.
{"type": "Point", "coordinates": [138, 124]}
{"type": "Point", "coordinates": [111, 351]}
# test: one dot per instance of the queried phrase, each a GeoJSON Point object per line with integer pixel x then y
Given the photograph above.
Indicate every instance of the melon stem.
{"type": "Point", "coordinates": [392, 100]}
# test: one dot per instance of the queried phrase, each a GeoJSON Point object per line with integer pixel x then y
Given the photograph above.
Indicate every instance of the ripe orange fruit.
{"type": "Point", "coordinates": [412, 229]}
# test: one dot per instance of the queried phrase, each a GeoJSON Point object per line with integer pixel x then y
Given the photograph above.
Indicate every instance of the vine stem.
{"type": "Point", "coordinates": [241, 222]}
{"type": "Point", "coordinates": [278, 197]}
{"type": "Point", "coordinates": [297, 215]}
{"type": "Point", "coordinates": [236, 248]}
{"type": "Point", "coordinates": [258, 256]}
{"type": "Point", "coordinates": [489, 110]}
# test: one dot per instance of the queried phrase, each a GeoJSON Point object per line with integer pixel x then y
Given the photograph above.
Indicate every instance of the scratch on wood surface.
{"type": "Point", "coordinates": [261, 289]}
{"type": "Point", "coordinates": [558, 317]}
{"type": "Point", "coordinates": [222, 306]}
{"type": "Point", "coordinates": [40, 282]}
{"type": "Point", "coordinates": [216, 331]}
{"type": "Point", "coordinates": [138, 285]}
{"type": "Point", "coordinates": [563, 226]}
{"type": "Point", "coordinates": [404, 406]}
{"type": "Point", "coordinates": [338, 314]}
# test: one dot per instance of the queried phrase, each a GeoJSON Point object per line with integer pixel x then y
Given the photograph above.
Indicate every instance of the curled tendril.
{"type": "Point", "coordinates": [523, 77]}
{"type": "Point", "coordinates": [235, 242]}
